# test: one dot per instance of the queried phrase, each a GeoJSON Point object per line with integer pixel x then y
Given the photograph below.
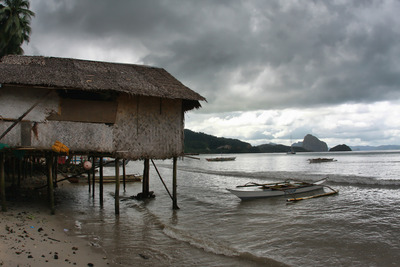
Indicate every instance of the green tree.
{"type": "Point", "coordinates": [15, 19]}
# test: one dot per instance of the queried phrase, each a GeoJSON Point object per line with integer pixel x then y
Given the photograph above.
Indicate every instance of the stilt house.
{"type": "Point", "coordinates": [94, 108]}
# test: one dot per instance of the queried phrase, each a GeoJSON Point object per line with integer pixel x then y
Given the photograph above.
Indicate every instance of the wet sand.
{"type": "Point", "coordinates": [30, 236]}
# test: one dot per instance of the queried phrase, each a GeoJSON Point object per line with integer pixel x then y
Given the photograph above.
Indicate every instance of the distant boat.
{"type": "Point", "coordinates": [319, 160]}
{"type": "Point", "coordinates": [291, 151]}
{"type": "Point", "coordinates": [129, 178]}
{"type": "Point", "coordinates": [221, 159]}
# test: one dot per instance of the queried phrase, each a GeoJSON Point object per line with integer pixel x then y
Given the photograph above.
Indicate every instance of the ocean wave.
{"type": "Point", "coordinates": [274, 176]}
{"type": "Point", "coordinates": [204, 242]}
{"type": "Point", "coordinates": [220, 248]}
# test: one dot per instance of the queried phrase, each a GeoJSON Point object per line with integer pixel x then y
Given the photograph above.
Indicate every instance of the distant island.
{"type": "Point", "coordinates": [201, 143]}
{"type": "Point", "coordinates": [340, 148]}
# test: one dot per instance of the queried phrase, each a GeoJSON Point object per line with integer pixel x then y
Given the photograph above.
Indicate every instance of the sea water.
{"type": "Point", "coordinates": [360, 226]}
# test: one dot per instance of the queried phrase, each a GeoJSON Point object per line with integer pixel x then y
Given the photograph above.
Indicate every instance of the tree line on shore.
{"type": "Point", "coordinates": [208, 144]}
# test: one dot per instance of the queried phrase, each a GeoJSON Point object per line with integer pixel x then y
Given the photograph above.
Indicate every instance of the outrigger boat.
{"type": "Point", "coordinates": [287, 188]}
{"type": "Point", "coordinates": [221, 159]}
{"type": "Point", "coordinates": [129, 178]}
{"type": "Point", "coordinates": [319, 160]}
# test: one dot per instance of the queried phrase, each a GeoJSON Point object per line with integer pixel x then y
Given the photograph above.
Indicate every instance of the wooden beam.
{"type": "Point", "coordinates": [23, 115]}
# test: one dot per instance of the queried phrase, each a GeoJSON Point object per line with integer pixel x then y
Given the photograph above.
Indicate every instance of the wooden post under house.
{"type": "Point", "coordinates": [174, 185]}
{"type": "Point", "coordinates": [93, 176]}
{"type": "Point", "coordinates": [117, 186]}
{"type": "Point", "coordinates": [124, 174]}
{"type": "Point", "coordinates": [146, 178]}
{"type": "Point", "coordinates": [50, 188]}
{"type": "Point", "coordinates": [2, 184]}
{"type": "Point", "coordinates": [101, 181]}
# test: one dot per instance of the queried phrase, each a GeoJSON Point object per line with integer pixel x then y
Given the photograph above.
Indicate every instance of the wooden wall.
{"type": "Point", "coordinates": [131, 127]}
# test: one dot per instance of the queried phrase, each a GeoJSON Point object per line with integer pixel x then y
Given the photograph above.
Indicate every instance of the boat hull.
{"type": "Point", "coordinates": [107, 179]}
{"type": "Point", "coordinates": [320, 160]}
{"type": "Point", "coordinates": [253, 192]}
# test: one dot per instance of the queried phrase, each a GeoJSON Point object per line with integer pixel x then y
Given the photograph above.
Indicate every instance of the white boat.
{"type": "Point", "coordinates": [286, 188]}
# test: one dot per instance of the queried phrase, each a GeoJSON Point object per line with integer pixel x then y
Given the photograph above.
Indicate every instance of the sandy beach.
{"type": "Point", "coordinates": [30, 236]}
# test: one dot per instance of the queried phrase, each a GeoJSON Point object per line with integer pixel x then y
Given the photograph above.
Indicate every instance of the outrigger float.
{"type": "Point", "coordinates": [291, 187]}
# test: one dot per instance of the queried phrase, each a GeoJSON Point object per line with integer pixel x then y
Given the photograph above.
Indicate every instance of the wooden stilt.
{"type": "Point", "coordinates": [19, 173]}
{"type": "Point", "coordinates": [174, 185]}
{"type": "Point", "coordinates": [55, 170]}
{"type": "Point", "coordinates": [13, 172]}
{"type": "Point", "coordinates": [89, 180]}
{"type": "Point", "coordinates": [145, 181]}
{"type": "Point", "coordinates": [116, 186]}
{"type": "Point", "coordinates": [124, 174]}
{"type": "Point", "coordinates": [2, 184]}
{"type": "Point", "coordinates": [93, 175]}
{"type": "Point", "coordinates": [24, 168]}
{"type": "Point", "coordinates": [50, 189]}
{"type": "Point", "coordinates": [101, 181]}
{"type": "Point", "coordinates": [31, 166]}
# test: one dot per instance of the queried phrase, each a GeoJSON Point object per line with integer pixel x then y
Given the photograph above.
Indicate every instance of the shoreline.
{"type": "Point", "coordinates": [31, 236]}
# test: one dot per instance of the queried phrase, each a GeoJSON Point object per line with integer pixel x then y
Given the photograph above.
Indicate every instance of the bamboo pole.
{"type": "Point", "coordinates": [174, 185]}
{"type": "Point", "coordinates": [2, 184]}
{"type": "Point", "coordinates": [159, 175]}
{"type": "Point", "coordinates": [50, 189]}
{"type": "Point", "coordinates": [116, 186]}
{"type": "Point", "coordinates": [101, 181]}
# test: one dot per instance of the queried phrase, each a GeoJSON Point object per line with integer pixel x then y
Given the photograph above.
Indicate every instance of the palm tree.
{"type": "Point", "coordinates": [15, 19]}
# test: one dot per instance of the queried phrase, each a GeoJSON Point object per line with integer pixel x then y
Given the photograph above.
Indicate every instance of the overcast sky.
{"type": "Point", "coordinates": [271, 71]}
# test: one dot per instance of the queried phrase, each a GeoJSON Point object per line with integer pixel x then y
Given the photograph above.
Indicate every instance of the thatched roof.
{"type": "Point", "coordinates": [66, 73]}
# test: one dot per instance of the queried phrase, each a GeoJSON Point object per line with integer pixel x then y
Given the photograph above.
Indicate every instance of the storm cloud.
{"type": "Point", "coordinates": [243, 56]}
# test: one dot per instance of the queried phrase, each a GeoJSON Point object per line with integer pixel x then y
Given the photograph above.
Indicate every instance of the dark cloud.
{"type": "Point", "coordinates": [242, 55]}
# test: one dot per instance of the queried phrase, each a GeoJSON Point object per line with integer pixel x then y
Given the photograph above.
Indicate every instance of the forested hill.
{"type": "Point", "coordinates": [207, 144]}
